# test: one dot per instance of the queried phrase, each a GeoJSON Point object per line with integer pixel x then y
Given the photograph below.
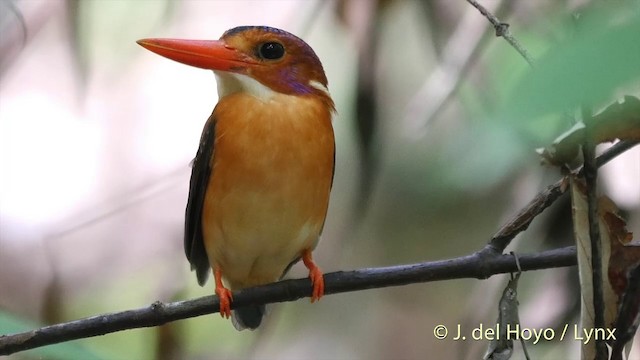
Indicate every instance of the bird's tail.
{"type": "Point", "coordinates": [248, 317]}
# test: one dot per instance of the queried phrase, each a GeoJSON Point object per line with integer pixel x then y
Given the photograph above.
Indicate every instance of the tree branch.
{"type": "Point", "coordinates": [477, 266]}
{"type": "Point", "coordinates": [480, 265]}
{"type": "Point", "coordinates": [502, 29]}
{"type": "Point", "coordinates": [543, 200]}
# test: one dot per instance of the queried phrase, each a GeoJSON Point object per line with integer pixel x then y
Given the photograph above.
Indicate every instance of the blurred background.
{"type": "Point", "coordinates": [437, 122]}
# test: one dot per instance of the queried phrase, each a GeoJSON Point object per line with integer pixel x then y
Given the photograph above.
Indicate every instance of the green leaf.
{"type": "Point", "coordinates": [600, 58]}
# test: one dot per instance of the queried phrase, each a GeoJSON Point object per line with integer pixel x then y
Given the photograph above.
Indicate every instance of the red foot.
{"type": "Point", "coordinates": [315, 274]}
{"type": "Point", "coordinates": [224, 295]}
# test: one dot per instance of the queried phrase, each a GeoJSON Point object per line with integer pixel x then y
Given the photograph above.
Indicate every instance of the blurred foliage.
{"type": "Point", "coordinates": [585, 69]}
{"type": "Point", "coordinates": [119, 293]}
{"type": "Point", "coordinates": [99, 31]}
{"type": "Point", "coordinates": [435, 196]}
{"type": "Point", "coordinates": [596, 60]}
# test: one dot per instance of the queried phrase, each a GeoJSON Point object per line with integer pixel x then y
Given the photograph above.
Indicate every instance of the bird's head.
{"type": "Point", "coordinates": [257, 59]}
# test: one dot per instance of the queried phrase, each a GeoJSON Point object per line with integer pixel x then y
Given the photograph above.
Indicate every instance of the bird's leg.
{"type": "Point", "coordinates": [224, 295]}
{"type": "Point", "coordinates": [315, 274]}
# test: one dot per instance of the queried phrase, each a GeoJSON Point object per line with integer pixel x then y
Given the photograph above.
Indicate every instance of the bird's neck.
{"type": "Point", "coordinates": [230, 83]}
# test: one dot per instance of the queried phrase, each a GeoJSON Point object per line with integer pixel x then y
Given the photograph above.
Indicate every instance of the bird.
{"type": "Point", "coordinates": [263, 172]}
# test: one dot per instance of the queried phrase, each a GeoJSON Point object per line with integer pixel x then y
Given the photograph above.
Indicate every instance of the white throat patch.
{"type": "Point", "coordinates": [229, 83]}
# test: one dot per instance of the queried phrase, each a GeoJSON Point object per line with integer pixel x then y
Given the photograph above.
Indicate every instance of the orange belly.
{"type": "Point", "coordinates": [269, 189]}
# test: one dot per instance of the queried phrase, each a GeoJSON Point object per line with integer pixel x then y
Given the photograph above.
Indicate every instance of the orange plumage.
{"type": "Point", "coordinates": [261, 179]}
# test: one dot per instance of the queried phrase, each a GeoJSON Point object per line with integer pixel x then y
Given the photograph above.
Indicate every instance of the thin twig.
{"type": "Point", "coordinates": [524, 217]}
{"type": "Point", "coordinates": [591, 177]}
{"type": "Point", "coordinates": [522, 341]}
{"type": "Point", "coordinates": [614, 151]}
{"type": "Point", "coordinates": [543, 200]}
{"type": "Point", "coordinates": [471, 266]}
{"type": "Point", "coordinates": [502, 29]}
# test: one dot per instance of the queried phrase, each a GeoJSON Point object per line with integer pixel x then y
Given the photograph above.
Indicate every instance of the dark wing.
{"type": "Point", "coordinates": [200, 173]}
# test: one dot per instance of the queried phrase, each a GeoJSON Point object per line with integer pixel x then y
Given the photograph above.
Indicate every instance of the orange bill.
{"type": "Point", "coordinates": [205, 54]}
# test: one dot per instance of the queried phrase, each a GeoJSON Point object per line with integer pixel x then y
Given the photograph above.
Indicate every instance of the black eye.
{"type": "Point", "coordinates": [271, 50]}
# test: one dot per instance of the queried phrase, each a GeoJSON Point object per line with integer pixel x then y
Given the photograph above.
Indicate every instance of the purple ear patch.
{"type": "Point", "coordinates": [289, 76]}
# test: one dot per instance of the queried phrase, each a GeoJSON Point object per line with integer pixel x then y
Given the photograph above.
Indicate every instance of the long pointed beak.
{"type": "Point", "coordinates": [205, 54]}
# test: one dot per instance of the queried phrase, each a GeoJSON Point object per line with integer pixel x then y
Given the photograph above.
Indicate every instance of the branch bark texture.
{"type": "Point", "coordinates": [477, 265]}
{"type": "Point", "coordinates": [480, 265]}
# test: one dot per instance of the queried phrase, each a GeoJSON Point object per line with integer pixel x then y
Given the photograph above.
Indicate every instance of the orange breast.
{"type": "Point", "coordinates": [269, 191]}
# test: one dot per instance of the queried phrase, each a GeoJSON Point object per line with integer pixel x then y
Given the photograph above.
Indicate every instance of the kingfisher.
{"type": "Point", "coordinates": [263, 172]}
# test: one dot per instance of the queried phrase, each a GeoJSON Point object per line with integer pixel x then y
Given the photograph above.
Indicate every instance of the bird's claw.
{"type": "Point", "coordinates": [315, 275]}
{"type": "Point", "coordinates": [317, 281]}
{"type": "Point", "coordinates": [225, 297]}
